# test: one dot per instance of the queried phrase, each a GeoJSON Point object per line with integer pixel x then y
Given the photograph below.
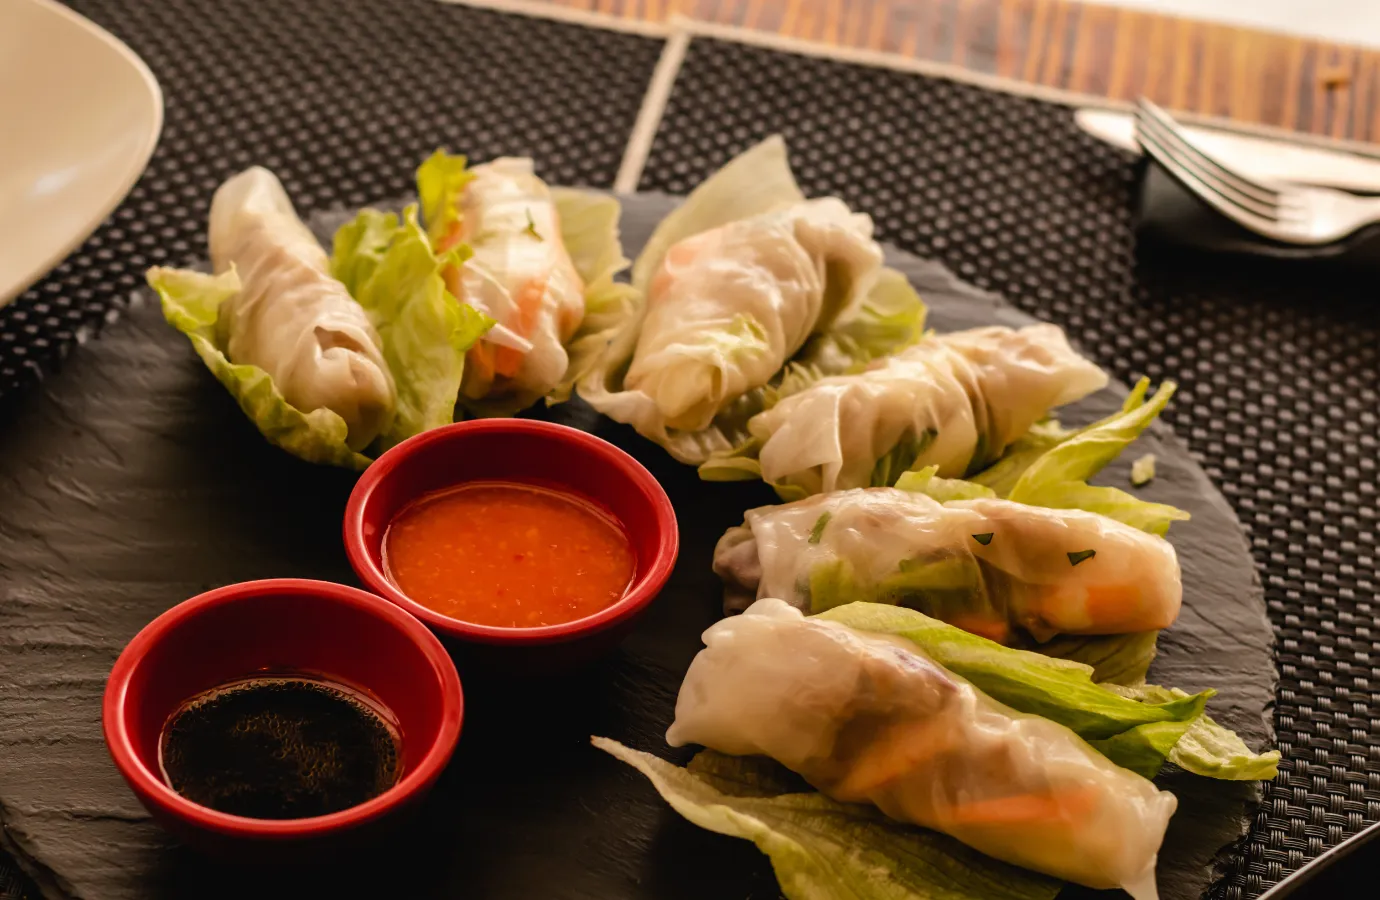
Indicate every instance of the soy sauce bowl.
{"type": "Point", "coordinates": [527, 452]}
{"type": "Point", "coordinates": [311, 628]}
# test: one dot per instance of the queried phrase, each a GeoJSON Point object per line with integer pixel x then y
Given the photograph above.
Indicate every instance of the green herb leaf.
{"type": "Point", "coordinates": [532, 226]}
{"type": "Point", "coordinates": [983, 539]}
{"type": "Point", "coordinates": [1077, 556]}
{"type": "Point", "coordinates": [817, 532]}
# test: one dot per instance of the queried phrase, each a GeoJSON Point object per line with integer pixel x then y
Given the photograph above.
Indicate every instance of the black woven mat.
{"type": "Point", "coordinates": [1279, 365]}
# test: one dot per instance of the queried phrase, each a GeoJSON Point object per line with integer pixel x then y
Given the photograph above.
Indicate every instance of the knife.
{"type": "Point", "coordinates": [1266, 158]}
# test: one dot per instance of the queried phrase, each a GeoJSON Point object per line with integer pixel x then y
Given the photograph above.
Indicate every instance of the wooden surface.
{"type": "Point", "coordinates": [1237, 73]}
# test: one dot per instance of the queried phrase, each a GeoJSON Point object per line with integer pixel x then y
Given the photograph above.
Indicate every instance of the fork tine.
{"type": "Point", "coordinates": [1171, 129]}
{"type": "Point", "coordinates": [1210, 194]}
{"type": "Point", "coordinates": [1149, 131]}
{"type": "Point", "coordinates": [1264, 201]}
{"type": "Point", "coordinates": [1148, 111]}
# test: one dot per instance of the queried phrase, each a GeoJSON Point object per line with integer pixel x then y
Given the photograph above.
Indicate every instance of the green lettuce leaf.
{"type": "Point", "coordinates": [947, 586]}
{"type": "Point", "coordinates": [1209, 749]}
{"type": "Point", "coordinates": [900, 458]}
{"type": "Point", "coordinates": [424, 330]}
{"type": "Point", "coordinates": [927, 481]}
{"type": "Point", "coordinates": [737, 464]}
{"type": "Point", "coordinates": [613, 317]}
{"type": "Point", "coordinates": [1115, 658]}
{"type": "Point", "coordinates": [191, 303]}
{"type": "Point", "coordinates": [1056, 689]}
{"type": "Point", "coordinates": [1003, 475]}
{"type": "Point", "coordinates": [1058, 478]}
{"type": "Point", "coordinates": [824, 850]}
{"type": "Point", "coordinates": [440, 181]}
{"type": "Point", "coordinates": [756, 182]}
{"type": "Point", "coordinates": [1145, 748]}
{"type": "Point", "coordinates": [589, 230]}
{"type": "Point", "coordinates": [359, 246]}
{"type": "Point", "coordinates": [833, 583]}
{"type": "Point", "coordinates": [890, 318]}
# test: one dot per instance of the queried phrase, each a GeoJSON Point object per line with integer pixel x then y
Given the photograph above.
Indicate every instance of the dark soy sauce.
{"type": "Point", "coordinates": [280, 747]}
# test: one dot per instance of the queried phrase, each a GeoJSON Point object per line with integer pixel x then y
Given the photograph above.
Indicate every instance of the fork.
{"type": "Point", "coordinates": [1287, 213]}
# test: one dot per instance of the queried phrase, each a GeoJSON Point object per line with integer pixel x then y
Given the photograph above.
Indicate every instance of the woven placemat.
{"type": "Point", "coordinates": [1278, 365]}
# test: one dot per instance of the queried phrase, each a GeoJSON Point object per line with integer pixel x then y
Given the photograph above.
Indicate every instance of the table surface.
{"type": "Point", "coordinates": [1267, 382]}
{"type": "Point", "coordinates": [1243, 74]}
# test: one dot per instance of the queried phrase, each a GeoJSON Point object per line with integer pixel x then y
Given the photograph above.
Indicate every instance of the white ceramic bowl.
{"type": "Point", "coordinates": [79, 117]}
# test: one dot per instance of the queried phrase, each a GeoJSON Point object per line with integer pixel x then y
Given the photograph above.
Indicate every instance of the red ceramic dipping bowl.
{"type": "Point", "coordinates": [530, 452]}
{"type": "Point", "coordinates": [282, 625]}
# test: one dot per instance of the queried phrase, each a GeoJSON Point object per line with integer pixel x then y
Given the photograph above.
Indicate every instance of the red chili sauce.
{"type": "Point", "coordinates": [508, 554]}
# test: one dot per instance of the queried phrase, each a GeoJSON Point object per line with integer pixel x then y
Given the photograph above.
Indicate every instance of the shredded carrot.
{"type": "Point", "coordinates": [991, 629]}
{"type": "Point", "coordinates": [684, 253]}
{"type": "Point", "coordinates": [508, 361]}
{"type": "Point", "coordinates": [481, 358]}
{"type": "Point", "coordinates": [892, 755]}
{"type": "Point", "coordinates": [1109, 608]}
{"type": "Point", "coordinates": [451, 239]}
{"type": "Point", "coordinates": [1073, 804]}
{"type": "Point", "coordinates": [680, 255]}
{"type": "Point", "coordinates": [1113, 604]}
{"type": "Point", "coordinates": [451, 276]}
{"type": "Point", "coordinates": [660, 283]}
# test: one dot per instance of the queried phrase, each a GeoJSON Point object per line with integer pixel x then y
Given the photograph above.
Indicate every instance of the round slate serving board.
{"type": "Point", "coordinates": [131, 482]}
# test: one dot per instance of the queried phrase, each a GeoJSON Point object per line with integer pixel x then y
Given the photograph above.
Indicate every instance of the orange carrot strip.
{"type": "Point", "coordinates": [508, 361]}
{"type": "Point", "coordinates": [1024, 808]}
{"type": "Point", "coordinates": [982, 627]}
{"type": "Point", "coordinates": [891, 756]}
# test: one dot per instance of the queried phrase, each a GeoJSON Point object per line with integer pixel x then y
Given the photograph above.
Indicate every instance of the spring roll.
{"type": "Point", "coordinates": [991, 567]}
{"type": "Point", "coordinates": [870, 719]}
{"type": "Point", "coordinates": [521, 275]}
{"type": "Point", "coordinates": [290, 317]}
{"type": "Point", "coordinates": [954, 400]}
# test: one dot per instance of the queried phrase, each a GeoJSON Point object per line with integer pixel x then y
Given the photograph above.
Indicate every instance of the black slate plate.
{"type": "Point", "coordinates": [132, 482]}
